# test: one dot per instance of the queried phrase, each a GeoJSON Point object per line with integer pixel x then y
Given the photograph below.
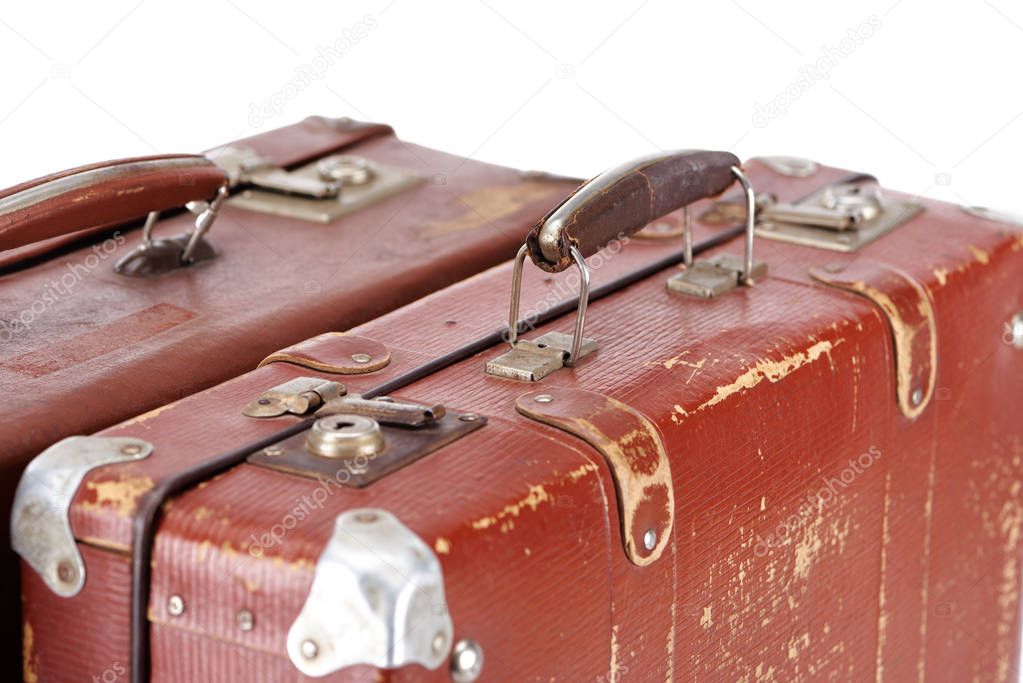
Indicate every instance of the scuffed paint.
{"type": "Point", "coordinates": [442, 546]}
{"type": "Point", "coordinates": [979, 254]}
{"type": "Point", "coordinates": [707, 619]}
{"type": "Point", "coordinates": [142, 419]}
{"type": "Point", "coordinates": [537, 495]}
{"type": "Point", "coordinates": [29, 658]}
{"type": "Point", "coordinates": [882, 614]}
{"type": "Point", "coordinates": [119, 494]}
{"type": "Point", "coordinates": [772, 371]}
{"type": "Point", "coordinates": [942, 275]}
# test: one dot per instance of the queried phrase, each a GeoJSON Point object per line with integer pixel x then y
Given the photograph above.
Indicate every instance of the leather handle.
{"type": "Point", "coordinates": [625, 199]}
{"type": "Point", "coordinates": [103, 194]}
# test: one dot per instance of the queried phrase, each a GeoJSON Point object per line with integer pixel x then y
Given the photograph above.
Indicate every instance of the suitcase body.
{"type": "Point", "coordinates": [85, 346]}
{"type": "Point", "coordinates": [813, 477]}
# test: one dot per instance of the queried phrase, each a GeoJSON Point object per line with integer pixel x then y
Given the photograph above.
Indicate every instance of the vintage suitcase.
{"type": "Point", "coordinates": [794, 462]}
{"type": "Point", "coordinates": [329, 222]}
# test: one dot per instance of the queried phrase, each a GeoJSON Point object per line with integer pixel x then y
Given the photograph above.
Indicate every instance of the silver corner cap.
{"type": "Point", "coordinates": [377, 599]}
{"type": "Point", "coordinates": [40, 526]}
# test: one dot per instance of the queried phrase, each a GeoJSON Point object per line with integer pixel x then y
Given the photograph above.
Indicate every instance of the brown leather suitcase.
{"type": "Point", "coordinates": [328, 223]}
{"type": "Point", "coordinates": [799, 461]}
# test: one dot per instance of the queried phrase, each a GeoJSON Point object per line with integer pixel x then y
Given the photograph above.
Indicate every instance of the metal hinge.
{"type": "Point", "coordinates": [321, 191]}
{"type": "Point", "coordinates": [377, 598]}
{"type": "Point", "coordinates": [842, 217]}
{"type": "Point", "coordinates": [299, 396]}
{"type": "Point", "coordinates": [40, 526]}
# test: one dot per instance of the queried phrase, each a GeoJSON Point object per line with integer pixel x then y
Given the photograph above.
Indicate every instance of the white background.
{"type": "Point", "coordinates": [930, 101]}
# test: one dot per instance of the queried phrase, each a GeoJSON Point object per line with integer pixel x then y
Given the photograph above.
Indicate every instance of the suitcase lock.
{"type": "Point", "coordinates": [841, 217]}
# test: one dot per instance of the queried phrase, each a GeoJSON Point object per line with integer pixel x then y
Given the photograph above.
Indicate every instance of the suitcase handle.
{"type": "Point", "coordinates": [620, 202]}
{"type": "Point", "coordinates": [103, 194]}
{"type": "Point", "coordinates": [624, 199]}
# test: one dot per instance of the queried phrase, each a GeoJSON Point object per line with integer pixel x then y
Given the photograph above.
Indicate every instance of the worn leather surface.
{"type": "Point", "coordinates": [624, 199]}
{"type": "Point", "coordinates": [109, 193]}
{"type": "Point", "coordinates": [765, 397]}
{"type": "Point", "coordinates": [82, 347]}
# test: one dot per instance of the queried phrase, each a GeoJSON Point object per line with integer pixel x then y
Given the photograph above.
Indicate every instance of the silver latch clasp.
{"type": "Point", "coordinates": [840, 217]}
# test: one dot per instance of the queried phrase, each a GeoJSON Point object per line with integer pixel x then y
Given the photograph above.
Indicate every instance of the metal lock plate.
{"type": "Point", "coordinates": [711, 278]}
{"type": "Point", "coordinates": [320, 192]}
{"type": "Point", "coordinates": [355, 450]}
{"type": "Point", "coordinates": [531, 361]}
{"type": "Point", "coordinates": [842, 217]}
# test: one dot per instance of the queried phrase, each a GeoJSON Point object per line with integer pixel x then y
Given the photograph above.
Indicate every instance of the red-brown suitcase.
{"type": "Point", "coordinates": [330, 222]}
{"type": "Point", "coordinates": [811, 476]}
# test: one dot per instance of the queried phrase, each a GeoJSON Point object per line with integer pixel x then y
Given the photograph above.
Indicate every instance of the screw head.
{"type": "Point", "coordinates": [273, 450]}
{"type": "Point", "coordinates": [131, 449]}
{"type": "Point", "coordinates": [309, 648]}
{"type": "Point", "coordinates": [466, 661]}
{"type": "Point", "coordinates": [918, 396]}
{"type": "Point", "coordinates": [440, 641]}
{"type": "Point", "coordinates": [543, 398]}
{"type": "Point", "coordinates": [246, 620]}
{"type": "Point", "coordinates": [366, 517]}
{"type": "Point", "coordinates": [361, 357]}
{"type": "Point", "coordinates": [66, 572]}
{"type": "Point", "coordinates": [650, 539]}
{"type": "Point", "coordinates": [469, 417]}
{"type": "Point", "coordinates": [175, 606]}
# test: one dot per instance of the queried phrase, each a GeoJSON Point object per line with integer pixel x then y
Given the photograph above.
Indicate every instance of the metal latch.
{"type": "Point", "coordinates": [321, 191]}
{"type": "Point", "coordinates": [841, 217]}
{"type": "Point", "coordinates": [715, 276]}
{"type": "Point", "coordinates": [531, 361]}
{"type": "Point", "coordinates": [299, 396]}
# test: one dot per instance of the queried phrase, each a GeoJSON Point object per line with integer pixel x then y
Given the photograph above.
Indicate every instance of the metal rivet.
{"type": "Point", "coordinates": [175, 606]}
{"type": "Point", "coordinates": [466, 661]}
{"type": "Point", "coordinates": [918, 396]}
{"type": "Point", "coordinates": [440, 641]}
{"type": "Point", "coordinates": [650, 539]}
{"type": "Point", "coordinates": [833, 267]}
{"type": "Point", "coordinates": [131, 449]}
{"type": "Point", "coordinates": [310, 650]}
{"type": "Point", "coordinates": [362, 357]}
{"type": "Point", "coordinates": [263, 401]}
{"type": "Point", "coordinates": [384, 399]}
{"type": "Point", "coordinates": [544, 398]}
{"type": "Point", "coordinates": [66, 572]}
{"type": "Point", "coordinates": [366, 517]}
{"type": "Point", "coordinates": [469, 417]}
{"type": "Point", "coordinates": [273, 450]}
{"type": "Point", "coordinates": [246, 620]}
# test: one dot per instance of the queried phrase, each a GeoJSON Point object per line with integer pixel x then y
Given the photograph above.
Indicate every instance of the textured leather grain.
{"type": "Point", "coordinates": [819, 532]}
{"type": "Point", "coordinates": [82, 347]}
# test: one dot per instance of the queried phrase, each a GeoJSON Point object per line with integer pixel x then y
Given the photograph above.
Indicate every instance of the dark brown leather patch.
{"type": "Point", "coordinates": [119, 333]}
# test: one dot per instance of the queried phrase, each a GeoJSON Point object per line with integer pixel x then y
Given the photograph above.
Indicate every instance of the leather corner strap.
{"type": "Point", "coordinates": [632, 447]}
{"type": "Point", "coordinates": [907, 306]}
{"type": "Point", "coordinates": [336, 353]}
